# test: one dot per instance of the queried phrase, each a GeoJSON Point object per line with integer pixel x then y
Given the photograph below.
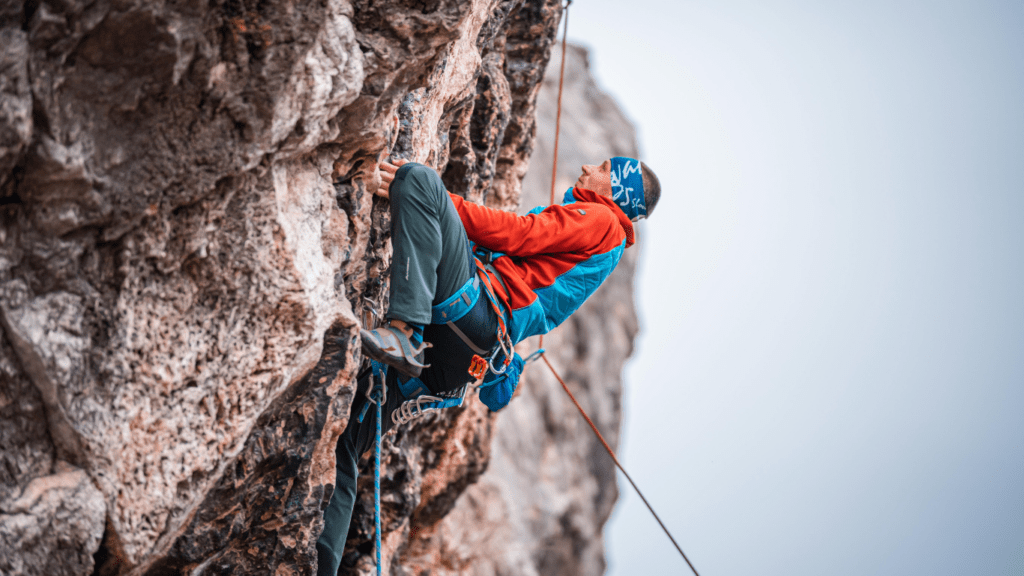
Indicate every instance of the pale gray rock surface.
{"type": "Point", "coordinates": [58, 512]}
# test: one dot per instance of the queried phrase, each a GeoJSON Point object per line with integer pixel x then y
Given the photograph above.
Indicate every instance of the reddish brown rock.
{"type": "Point", "coordinates": [188, 242]}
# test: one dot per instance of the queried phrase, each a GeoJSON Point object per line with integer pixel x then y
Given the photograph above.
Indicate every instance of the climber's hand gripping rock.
{"type": "Point", "coordinates": [387, 175]}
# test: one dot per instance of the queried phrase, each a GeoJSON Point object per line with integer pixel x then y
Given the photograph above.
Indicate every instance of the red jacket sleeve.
{"type": "Point", "coordinates": [582, 227]}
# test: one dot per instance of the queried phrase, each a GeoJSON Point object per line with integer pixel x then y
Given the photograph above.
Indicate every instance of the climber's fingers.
{"type": "Point", "coordinates": [392, 167]}
{"type": "Point", "coordinates": [387, 175]}
{"type": "Point", "coordinates": [387, 170]}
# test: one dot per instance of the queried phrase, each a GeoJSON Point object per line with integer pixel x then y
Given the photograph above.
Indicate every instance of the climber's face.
{"type": "Point", "coordinates": [597, 179]}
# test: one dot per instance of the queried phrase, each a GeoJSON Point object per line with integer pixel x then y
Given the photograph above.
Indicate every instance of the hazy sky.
{"type": "Point", "coordinates": [830, 379]}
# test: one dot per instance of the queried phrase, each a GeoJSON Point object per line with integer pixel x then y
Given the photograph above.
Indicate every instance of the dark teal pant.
{"type": "Point", "coordinates": [431, 262]}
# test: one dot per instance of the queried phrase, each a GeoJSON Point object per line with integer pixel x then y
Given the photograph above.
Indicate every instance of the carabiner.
{"type": "Point", "coordinates": [490, 363]}
{"type": "Point", "coordinates": [381, 385]}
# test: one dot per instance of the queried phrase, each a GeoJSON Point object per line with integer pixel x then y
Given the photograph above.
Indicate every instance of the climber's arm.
{"type": "Point", "coordinates": [582, 228]}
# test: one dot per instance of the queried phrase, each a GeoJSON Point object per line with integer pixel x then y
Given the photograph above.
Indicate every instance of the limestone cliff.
{"type": "Point", "coordinates": [188, 245]}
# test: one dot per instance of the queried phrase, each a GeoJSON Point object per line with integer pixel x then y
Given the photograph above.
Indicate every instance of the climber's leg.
{"type": "Point", "coordinates": [430, 260]}
{"type": "Point", "coordinates": [429, 264]}
{"type": "Point", "coordinates": [338, 515]}
{"type": "Point", "coordinates": [354, 441]}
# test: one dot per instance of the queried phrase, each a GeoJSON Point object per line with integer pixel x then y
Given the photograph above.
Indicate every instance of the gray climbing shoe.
{"type": "Point", "coordinates": [392, 347]}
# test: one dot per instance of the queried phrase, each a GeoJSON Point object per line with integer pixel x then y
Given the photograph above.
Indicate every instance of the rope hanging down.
{"type": "Point", "coordinates": [540, 345]}
{"type": "Point", "coordinates": [379, 396]}
{"type": "Point", "coordinates": [616, 460]}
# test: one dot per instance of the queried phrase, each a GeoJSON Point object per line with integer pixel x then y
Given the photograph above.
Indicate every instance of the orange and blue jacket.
{"type": "Point", "coordinates": [552, 259]}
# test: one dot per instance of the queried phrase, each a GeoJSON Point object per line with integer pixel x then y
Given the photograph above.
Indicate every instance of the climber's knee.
{"type": "Point", "coordinates": [418, 183]}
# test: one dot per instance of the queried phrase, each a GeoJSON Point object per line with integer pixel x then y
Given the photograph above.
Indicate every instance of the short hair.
{"type": "Point", "coordinates": [652, 188]}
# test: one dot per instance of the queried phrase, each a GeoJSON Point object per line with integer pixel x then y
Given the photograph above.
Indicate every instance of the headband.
{"type": "Point", "coordinates": [628, 187]}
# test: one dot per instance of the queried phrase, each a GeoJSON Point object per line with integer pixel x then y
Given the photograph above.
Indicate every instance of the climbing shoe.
{"type": "Point", "coordinates": [392, 347]}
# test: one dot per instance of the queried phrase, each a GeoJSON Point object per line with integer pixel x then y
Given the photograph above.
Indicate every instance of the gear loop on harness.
{"type": "Point", "coordinates": [413, 408]}
{"type": "Point", "coordinates": [425, 403]}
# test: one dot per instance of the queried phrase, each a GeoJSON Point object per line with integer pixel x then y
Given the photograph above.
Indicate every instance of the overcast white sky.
{"type": "Point", "coordinates": [830, 378]}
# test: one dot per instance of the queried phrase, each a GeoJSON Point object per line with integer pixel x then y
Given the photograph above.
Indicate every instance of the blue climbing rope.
{"type": "Point", "coordinates": [376, 470]}
{"type": "Point", "coordinates": [377, 394]}
{"type": "Point", "coordinates": [378, 397]}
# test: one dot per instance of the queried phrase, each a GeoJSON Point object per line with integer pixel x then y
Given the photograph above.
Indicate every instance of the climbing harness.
{"type": "Point", "coordinates": [458, 305]}
{"type": "Point", "coordinates": [463, 304]}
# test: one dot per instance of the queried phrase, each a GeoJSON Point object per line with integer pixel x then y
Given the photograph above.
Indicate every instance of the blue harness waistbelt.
{"type": "Point", "coordinates": [452, 310]}
{"type": "Point", "coordinates": [497, 388]}
{"type": "Point", "coordinates": [458, 305]}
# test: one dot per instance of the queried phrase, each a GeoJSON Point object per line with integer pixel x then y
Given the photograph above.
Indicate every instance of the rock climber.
{"type": "Point", "coordinates": [467, 283]}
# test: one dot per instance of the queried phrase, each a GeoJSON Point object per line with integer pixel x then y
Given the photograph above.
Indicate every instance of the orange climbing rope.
{"type": "Point", "coordinates": [616, 460]}
{"type": "Point", "coordinates": [558, 115]}
{"type": "Point", "coordinates": [540, 346]}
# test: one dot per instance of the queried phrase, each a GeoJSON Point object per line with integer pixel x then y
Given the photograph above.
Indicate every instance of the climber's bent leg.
{"type": "Point", "coordinates": [430, 261]}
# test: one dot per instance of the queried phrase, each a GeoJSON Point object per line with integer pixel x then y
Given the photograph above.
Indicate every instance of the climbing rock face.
{"type": "Point", "coordinates": [188, 245]}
